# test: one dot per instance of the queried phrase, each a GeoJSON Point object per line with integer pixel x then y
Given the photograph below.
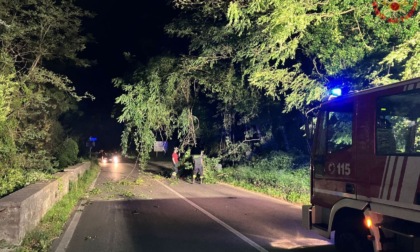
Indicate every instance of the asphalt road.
{"type": "Point", "coordinates": [132, 211]}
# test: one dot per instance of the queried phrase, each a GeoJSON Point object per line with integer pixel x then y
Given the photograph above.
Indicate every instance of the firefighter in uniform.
{"type": "Point", "coordinates": [198, 167]}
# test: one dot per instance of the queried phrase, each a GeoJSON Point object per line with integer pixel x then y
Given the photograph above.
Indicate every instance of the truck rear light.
{"type": "Point", "coordinates": [368, 222]}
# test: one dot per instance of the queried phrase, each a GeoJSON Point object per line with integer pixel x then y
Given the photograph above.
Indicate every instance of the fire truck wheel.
{"type": "Point", "coordinates": [349, 238]}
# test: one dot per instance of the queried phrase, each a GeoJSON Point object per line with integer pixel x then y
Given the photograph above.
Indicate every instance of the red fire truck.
{"type": "Point", "coordinates": [365, 169]}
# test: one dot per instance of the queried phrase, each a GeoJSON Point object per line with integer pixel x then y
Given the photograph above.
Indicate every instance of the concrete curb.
{"type": "Point", "coordinates": [21, 211]}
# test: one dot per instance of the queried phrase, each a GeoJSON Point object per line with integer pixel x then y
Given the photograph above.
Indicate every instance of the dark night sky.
{"type": "Point", "coordinates": [119, 26]}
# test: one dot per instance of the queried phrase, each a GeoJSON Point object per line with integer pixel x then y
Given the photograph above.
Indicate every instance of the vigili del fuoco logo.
{"type": "Point", "coordinates": [395, 11]}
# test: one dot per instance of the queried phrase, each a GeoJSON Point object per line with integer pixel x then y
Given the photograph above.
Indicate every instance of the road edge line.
{"type": "Point", "coordinates": [231, 229]}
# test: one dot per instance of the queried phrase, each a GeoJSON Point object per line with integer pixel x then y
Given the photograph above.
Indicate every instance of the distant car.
{"type": "Point", "coordinates": [110, 158]}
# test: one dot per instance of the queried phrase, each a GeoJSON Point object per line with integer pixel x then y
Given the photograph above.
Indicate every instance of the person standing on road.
{"type": "Point", "coordinates": [199, 167]}
{"type": "Point", "coordinates": [175, 162]}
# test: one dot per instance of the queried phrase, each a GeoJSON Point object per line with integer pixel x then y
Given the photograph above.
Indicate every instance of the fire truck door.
{"type": "Point", "coordinates": [332, 158]}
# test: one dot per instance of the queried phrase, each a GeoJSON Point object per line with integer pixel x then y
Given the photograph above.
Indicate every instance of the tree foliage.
{"type": "Point", "coordinates": [299, 48]}
{"type": "Point", "coordinates": [35, 35]}
{"type": "Point", "coordinates": [67, 153]}
{"type": "Point", "coordinates": [148, 105]}
{"type": "Point", "coordinates": [248, 60]}
{"type": "Point", "coordinates": [207, 75]}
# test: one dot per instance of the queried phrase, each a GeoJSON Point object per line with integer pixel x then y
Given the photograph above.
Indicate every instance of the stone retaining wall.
{"type": "Point", "coordinates": [21, 211]}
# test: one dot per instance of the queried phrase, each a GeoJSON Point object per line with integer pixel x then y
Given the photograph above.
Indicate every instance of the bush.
{"type": "Point", "coordinates": [38, 160]}
{"type": "Point", "coordinates": [275, 161]}
{"type": "Point", "coordinates": [236, 152]}
{"type": "Point", "coordinates": [13, 179]}
{"type": "Point", "coordinates": [67, 153]}
{"type": "Point", "coordinates": [277, 175]}
{"type": "Point", "coordinates": [10, 180]}
{"type": "Point", "coordinates": [211, 172]}
{"type": "Point", "coordinates": [187, 161]}
{"type": "Point", "coordinates": [211, 163]}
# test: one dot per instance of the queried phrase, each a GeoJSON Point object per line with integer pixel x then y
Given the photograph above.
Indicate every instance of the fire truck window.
{"type": "Point", "coordinates": [398, 124]}
{"type": "Point", "coordinates": [339, 131]}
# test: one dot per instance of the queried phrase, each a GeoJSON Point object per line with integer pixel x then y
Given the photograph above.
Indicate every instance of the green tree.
{"type": "Point", "coordinates": [248, 59]}
{"type": "Point", "coordinates": [67, 153]}
{"type": "Point", "coordinates": [219, 61]}
{"type": "Point", "coordinates": [32, 35]}
{"type": "Point", "coordinates": [343, 40]}
{"type": "Point", "coordinates": [148, 106]}
{"type": "Point", "coordinates": [206, 75]}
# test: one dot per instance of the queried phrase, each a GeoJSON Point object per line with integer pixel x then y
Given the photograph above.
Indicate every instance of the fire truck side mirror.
{"type": "Point", "coordinates": [310, 123]}
{"type": "Point", "coordinates": [309, 129]}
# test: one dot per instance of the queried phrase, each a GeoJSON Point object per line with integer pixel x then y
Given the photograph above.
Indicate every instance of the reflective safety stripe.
{"type": "Point", "coordinates": [400, 178]}
{"type": "Point", "coordinates": [411, 178]}
{"type": "Point", "coordinates": [397, 173]}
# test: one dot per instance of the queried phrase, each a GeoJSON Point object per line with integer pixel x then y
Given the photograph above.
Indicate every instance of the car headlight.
{"type": "Point", "coordinates": [115, 159]}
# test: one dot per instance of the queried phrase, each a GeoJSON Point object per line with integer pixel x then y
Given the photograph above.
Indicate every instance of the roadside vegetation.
{"type": "Point", "coordinates": [52, 224]}
{"type": "Point", "coordinates": [250, 71]}
{"type": "Point", "coordinates": [37, 102]}
{"type": "Point", "coordinates": [279, 174]}
{"type": "Point", "coordinates": [290, 184]}
{"type": "Point", "coordinates": [12, 179]}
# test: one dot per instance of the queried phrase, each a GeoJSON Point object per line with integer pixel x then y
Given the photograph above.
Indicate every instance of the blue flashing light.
{"type": "Point", "coordinates": [92, 139]}
{"type": "Point", "coordinates": [336, 92]}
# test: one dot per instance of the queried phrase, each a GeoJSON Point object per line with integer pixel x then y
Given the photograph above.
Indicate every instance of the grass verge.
{"type": "Point", "coordinates": [289, 185]}
{"type": "Point", "coordinates": [279, 175]}
{"type": "Point", "coordinates": [52, 224]}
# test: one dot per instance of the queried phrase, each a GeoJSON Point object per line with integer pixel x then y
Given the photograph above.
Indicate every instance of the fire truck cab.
{"type": "Point", "coordinates": [365, 169]}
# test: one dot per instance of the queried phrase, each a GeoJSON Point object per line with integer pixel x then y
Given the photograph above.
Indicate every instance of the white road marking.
{"type": "Point", "coordinates": [70, 230]}
{"type": "Point", "coordinates": [231, 229]}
